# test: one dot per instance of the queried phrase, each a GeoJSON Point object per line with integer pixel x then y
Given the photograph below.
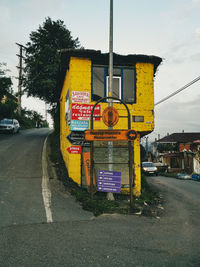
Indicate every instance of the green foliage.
{"type": "Point", "coordinates": [142, 153]}
{"type": "Point", "coordinates": [42, 60]}
{"type": "Point", "coordinates": [7, 110]}
{"type": "Point", "coordinates": [29, 119]}
{"type": "Point", "coordinates": [5, 82]}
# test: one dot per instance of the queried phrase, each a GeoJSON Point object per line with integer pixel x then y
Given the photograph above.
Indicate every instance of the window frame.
{"type": "Point", "coordinates": [121, 86]}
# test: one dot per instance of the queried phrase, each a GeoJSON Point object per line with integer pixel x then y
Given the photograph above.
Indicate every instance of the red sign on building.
{"type": "Point", "coordinates": [83, 112]}
{"type": "Point", "coordinates": [74, 149]}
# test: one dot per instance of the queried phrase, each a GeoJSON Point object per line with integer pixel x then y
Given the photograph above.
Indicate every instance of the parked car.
{"type": "Point", "coordinates": [149, 168]}
{"type": "Point", "coordinates": [9, 126]}
{"type": "Point", "coordinates": [182, 175]}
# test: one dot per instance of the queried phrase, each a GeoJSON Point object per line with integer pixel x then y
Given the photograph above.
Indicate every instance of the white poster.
{"type": "Point", "coordinates": [80, 97]}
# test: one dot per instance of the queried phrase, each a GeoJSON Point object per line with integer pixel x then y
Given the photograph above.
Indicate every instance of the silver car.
{"type": "Point", "coordinates": [9, 126]}
{"type": "Point", "coordinates": [149, 168]}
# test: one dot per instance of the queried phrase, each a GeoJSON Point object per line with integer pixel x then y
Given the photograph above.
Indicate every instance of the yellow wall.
{"type": "Point", "coordinates": [78, 78]}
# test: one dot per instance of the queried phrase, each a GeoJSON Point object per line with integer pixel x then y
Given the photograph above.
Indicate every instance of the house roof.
{"type": "Point", "coordinates": [103, 58]}
{"type": "Point", "coordinates": [99, 58]}
{"type": "Point", "coordinates": [180, 138]}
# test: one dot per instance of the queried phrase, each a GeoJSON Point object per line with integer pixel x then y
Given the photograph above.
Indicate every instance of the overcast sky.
{"type": "Point", "coordinates": [166, 28]}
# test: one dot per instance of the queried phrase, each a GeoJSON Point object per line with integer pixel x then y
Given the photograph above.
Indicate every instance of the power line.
{"type": "Point", "coordinates": [178, 91]}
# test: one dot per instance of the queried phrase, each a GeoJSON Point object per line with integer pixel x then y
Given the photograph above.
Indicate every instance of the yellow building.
{"type": "Point", "coordinates": [85, 81]}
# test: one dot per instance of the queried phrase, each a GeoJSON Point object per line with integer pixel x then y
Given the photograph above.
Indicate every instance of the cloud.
{"type": "Point", "coordinates": [195, 57]}
{"type": "Point", "coordinates": [197, 33]}
{"type": "Point", "coordinates": [5, 15]}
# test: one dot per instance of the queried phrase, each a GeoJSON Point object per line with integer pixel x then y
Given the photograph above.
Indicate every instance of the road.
{"type": "Point", "coordinates": [74, 237]}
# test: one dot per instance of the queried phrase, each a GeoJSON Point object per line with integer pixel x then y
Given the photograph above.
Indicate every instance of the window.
{"type": "Point", "coordinates": [129, 85]}
{"type": "Point", "coordinates": [123, 83]}
{"type": "Point", "coordinates": [116, 86]}
{"type": "Point", "coordinates": [98, 83]}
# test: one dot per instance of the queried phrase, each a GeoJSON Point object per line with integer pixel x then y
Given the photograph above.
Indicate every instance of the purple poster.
{"type": "Point", "coordinates": [109, 181]}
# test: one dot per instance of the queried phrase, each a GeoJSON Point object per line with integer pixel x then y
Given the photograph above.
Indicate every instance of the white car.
{"type": "Point", "coordinates": [149, 168]}
{"type": "Point", "coordinates": [9, 126]}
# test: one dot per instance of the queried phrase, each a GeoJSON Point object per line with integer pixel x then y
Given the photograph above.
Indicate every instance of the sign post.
{"type": "Point", "coordinates": [109, 181]}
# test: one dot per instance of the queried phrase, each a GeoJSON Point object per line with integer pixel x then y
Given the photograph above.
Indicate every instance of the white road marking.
{"type": "Point", "coordinates": [46, 191]}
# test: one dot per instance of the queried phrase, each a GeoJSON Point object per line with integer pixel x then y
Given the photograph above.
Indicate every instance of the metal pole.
{"type": "Point", "coordinates": [111, 54]}
{"type": "Point", "coordinates": [110, 196]}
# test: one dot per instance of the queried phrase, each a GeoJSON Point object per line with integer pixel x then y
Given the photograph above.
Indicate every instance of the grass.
{"type": "Point", "coordinates": [99, 203]}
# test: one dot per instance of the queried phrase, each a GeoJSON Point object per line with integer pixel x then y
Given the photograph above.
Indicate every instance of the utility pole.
{"type": "Point", "coordinates": [20, 55]}
{"type": "Point", "coordinates": [110, 195]}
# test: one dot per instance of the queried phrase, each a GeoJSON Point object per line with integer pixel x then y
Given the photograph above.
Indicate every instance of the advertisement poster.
{"type": "Point", "coordinates": [83, 112]}
{"type": "Point", "coordinates": [79, 125]}
{"type": "Point", "coordinates": [80, 97]}
{"type": "Point", "coordinates": [74, 149]}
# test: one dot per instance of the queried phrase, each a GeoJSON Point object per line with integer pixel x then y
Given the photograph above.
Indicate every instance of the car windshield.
{"type": "Point", "coordinates": [148, 164]}
{"type": "Point", "coordinates": [6, 121]}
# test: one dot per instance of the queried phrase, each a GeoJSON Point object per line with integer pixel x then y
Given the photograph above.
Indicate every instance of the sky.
{"type": "Point", "coordinates": [169, 29]}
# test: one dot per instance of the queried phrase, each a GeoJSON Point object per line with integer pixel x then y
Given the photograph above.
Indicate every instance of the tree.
{"type": "Point", "coordinates": [5, 82]}
{"type": "Point", "coordinates": [42, 60]}
{"type": "Point", "coordinates": [8, 109]}
{"type": "Point", "coordinates": [8, 106]}
{"type": "Point", "coordinates": [142, 153]}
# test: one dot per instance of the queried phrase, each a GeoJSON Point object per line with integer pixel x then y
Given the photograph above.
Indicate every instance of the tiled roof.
{"type": "Point", "coordinates": [180, 138]}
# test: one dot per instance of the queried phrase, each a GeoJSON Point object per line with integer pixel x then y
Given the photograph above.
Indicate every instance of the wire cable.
{"type": "Point", "coordinates": [178, 91]}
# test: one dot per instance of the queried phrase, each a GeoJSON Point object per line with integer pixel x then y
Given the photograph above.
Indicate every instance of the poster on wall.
{"type": "Point", "coordinates": [79, 125]}
{"type": "Point", "coordinates": [80, 97]}
{"type": "Point", "coordinates": [74, 149]}
{"type": "Point", "coordinates": [83, 112]}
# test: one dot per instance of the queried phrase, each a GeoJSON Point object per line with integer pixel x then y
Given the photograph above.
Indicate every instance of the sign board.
{"type": "Point", "coordinates": [109, 181]}
{"type": "Point", "coordinates": [110, 135]}
{"type": "Point", "coordinates": [80, 97]}
{"type": "Point", "coordinates": [83, 112]}
{"type": "Point", "coordinates": [110, 116]}
{"type": "Point", "coordinates": [74, 149]}
{"type": "Point", "coordinates": [77, 138]}
{"type": "Point", "coordinates": [79, 125]}
{"type": "Point", "coordinates": [87, 166]}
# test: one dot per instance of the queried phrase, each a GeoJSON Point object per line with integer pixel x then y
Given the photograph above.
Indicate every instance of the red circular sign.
{"type": "Point", "coordinates": [110, 116]}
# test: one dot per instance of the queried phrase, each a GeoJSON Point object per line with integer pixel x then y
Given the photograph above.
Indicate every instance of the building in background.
{"type": "Point", "coordinates": [180, 151]}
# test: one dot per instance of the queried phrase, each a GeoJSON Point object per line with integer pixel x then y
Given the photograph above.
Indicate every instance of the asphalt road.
{"type": "Point", "coordinates": [75, 237]}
